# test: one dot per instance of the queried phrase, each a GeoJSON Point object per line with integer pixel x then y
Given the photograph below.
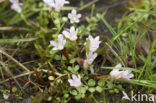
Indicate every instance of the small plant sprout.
{"type": "Point", "coordinates": [116, 74]}
{"type": "Point", "coordinates": [72, 34]}
{"type": "Point", "coordinates": [60, 44]}
{"type": "Point", "coordinates": [94, 43]}
{"type": "Point", "coordinates": [75, 81]}
{"type": "Point", "coordinates": [90, 58]}
{"type": "Point", "coordinates": [74, 17]}
{"type": "Point", "coordinates": [16, 6]}
{"type": "Point", "coordinates": [56, 4]}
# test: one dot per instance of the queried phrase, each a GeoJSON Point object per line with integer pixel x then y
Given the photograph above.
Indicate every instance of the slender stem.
{"type": "Point", "coordinates": [65, 54]}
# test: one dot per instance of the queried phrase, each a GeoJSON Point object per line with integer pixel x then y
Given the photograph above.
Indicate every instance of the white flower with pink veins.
{"type": "Point", "coordinates": [56, 4]}
{"type": "Point", "coordinates": [75, 81]}
{"type": "Point", "coordinates": [60, 44]}
{"type": "Point", "coordinates": [74, 17]}
{"type": "Point", "coordinates": [116, 74]}
{"type": "Point", "coordinates": [72, 34]}
{"type": "Point", "coordinates": [16, 5]}
{"type": "Point", "coordinates": [94, 43]}
{"type": "Point", "coordinates": [90, 58]}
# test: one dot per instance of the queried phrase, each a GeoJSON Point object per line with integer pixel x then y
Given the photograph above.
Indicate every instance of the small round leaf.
{"type": "Point", "coordinates": [91, 82]}
{"type": "Point", "coordinates": [92, 90]}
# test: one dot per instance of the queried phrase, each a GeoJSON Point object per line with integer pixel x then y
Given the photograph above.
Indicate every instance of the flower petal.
{"type": "Point", "coordinates": [66, 34]}
{"type": "Point", "coordinates": [79, 15]}
{"type": "Point", "coordinates": [69, 16]}
{"type": "Point", "coordinates": [66, 2]}
{"type": "Point", "coordinates": [71, 82]}
{"type": "Point", "coordinates": [72, 29]}
{"type": "Point", "coordinates": [60, 38]}
{"type": "Point", "coordinates": [74, 76]}
{"type": "Point", "coordinates": [118, 66]}
{"type": "Point", "coordinates": [53, 43]}
{"type": "Point", "coordinates": [73, 11]}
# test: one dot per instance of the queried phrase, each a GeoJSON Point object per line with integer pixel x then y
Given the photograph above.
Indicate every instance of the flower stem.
{"type": "Point", "coordinates": [12, 83]}
{"type": "Point", "coordinates": [108, 78]}
{"type": "Point", "coordinates": [65, 54]}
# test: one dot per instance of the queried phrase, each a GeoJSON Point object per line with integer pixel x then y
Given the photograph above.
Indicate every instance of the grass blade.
{"type": "Point", "coordinates": [122, 68]}
{"type": "Point", "coordinates": [3, 41]}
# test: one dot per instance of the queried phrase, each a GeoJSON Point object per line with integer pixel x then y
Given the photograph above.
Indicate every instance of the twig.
{"type": "Point", "coordinates": [25, 74]}
{"type": "Point", "coordinates": [29, 78]}
{"type": "Point", "coordinates": [29, 73]}
{"type": "Point", "coordinates": [18, 76]}
{"type": "Point", "coordinates": [21, 65]}
{"type": "Point", "coordinates": [60, 76]}
{"type": "Point", "coordinates": [87, 5]}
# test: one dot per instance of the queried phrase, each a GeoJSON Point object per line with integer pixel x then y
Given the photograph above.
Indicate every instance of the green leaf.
{"type": "Point", "coordinates": [52, 52]}
{"type": "Point", "coordinates": [4, 5]}
{"type": "Point", "coordinates": [19, 17]}
{"type": "Point", "coordinates": [87, 46]}
{"type": "Point", "coordinates": [91, 82]}
{"type": "Point", "coordinates": [122, 68]}
{"type": "Point", "coordinates": [51, 78]}
{"type": "Point", "coordinates": [78, 96]}
{"type": "Point", "coordinates": [66, 95]}
{"type": "Point", "coordinates": [73, 92]}
{"type": "Point", "coordinates": [68, 8]}
{"type": "Point", "coordinates": [92, 90]}
{"type": "Point", "coordinates": [64, 19]}
{"type": "Point", "coordinates": [111, 91]}
{"type": "Point", "coordinates": [145, 83]}
{"type": "Point", "coordinates": [99, 16]}
{"type": "Point", "coordinates": [116, 36]}
{"type": "Point", "coordinates": [49, 98]}
{"type": "Point", "coordinates": [72, 60]}
{"type": "Point", "coordinates": [2, 41]}
{"type": "Point", "coordinates": [14, 89]}
{"type": "Point", "coordinates": [116, 90]}
{"type": "Point", "coordinates": [99, 89]}
{"type": "Point", "coordinates": [109, 85]}
{"type": "Point", "coordinates": [77, 67]}
{"type": "Point", "coordinates": [101, 83]}
{"type": "Point", "coordinates": [109, 27]}
{"type": "Point", "coordinates": [153, 64]}
{"type": "Point", "coordinates": [82, 90]}
{"type": "Point", "coordinates": [57, 57]}
{"type": "Point", "coordinates": [70, 68]}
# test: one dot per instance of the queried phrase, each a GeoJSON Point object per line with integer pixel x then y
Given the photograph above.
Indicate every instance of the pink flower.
{"type": "Point", "coordinates": [72, 34]}
{"type": "Point", "coordinates": [74, 17]}
{"type": "Point", "coordinates": [94, 43]}
{"type": "Point", "coordinates": [56, 4]}
{"type": "Point", "coordinates": [75, 81]}
{"type": "Point", "coordinates": [89, 60]}
{"type": "Point", "coordinates": [116, 74]}
{"type": "Point", "coordinates": [60, 44]}
{"type": "Point", "coordinates": [16, 5]}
